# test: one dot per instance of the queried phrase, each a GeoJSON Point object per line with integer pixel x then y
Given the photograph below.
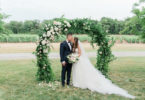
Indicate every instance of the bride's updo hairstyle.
{"type": "Point", "coordinates": [76, 40]}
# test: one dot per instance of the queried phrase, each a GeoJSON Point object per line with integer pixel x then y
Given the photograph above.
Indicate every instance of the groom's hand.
{"type": "Point", "coordinates": [63, 63]}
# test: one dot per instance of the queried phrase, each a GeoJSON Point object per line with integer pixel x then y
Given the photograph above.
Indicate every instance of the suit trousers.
{"type": "Point", "coordinates": [66, 70]}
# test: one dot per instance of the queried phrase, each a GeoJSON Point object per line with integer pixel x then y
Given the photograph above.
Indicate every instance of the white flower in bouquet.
{"type": "Point", "coordinates": [45, 50]}
{"type": "Point", "coordinates": [68, 25]}
{"type": "Point", "coordinates": [44, 42]}
{"type": "Point", "coordinates": [45, 25]}
{"type": "Point", "coordinates": [44, 67]}
{"type": "Point", "coordinates": [56, 29]}
{"type": "Point", "coordinates": [48, 44]}
{"type": "Point", "coordinates": [48, 34]}
{"type": "Point", "coordinates": [56, 23]}
{"type": "Point", "coordinates": [73, 58]}
{"type": "Point", "coordinates": [47, 28]}
{"type": "Point", "coordinates": [51, 30]}
{"type": "Point", "coordinates": [53, 33]}
{"type": "Point", "coordinates": [48, 25]}
{"type": "Point", "coordinates": [52, 37]}
{"type": "Point", "coordinates": [51, 27]}
{"type": "Point", "coordinates": [59, 23]}
{"type": "Point", "coordinates": [44, 35]}
{"type": "Point", "coordinates": [57, 33]}
{"type": "Point", "coordinates": [65, 22]}
{"type": "Point", "coordinates": [100, 52]}
{"type": "Point", "coordinates": [65, 30]}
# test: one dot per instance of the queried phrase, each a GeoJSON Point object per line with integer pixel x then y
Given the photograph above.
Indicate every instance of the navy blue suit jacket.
{"type": "Point", "coordinates": [64, 51]}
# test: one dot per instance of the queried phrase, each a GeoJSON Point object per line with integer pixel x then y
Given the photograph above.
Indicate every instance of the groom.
{"type": "Point", "coordinates": [65, 50]}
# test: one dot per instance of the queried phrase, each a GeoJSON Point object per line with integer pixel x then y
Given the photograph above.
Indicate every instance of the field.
{"type": "Point", "coordinates": [20, 38]}
{"type": "Point", "coordinates": [18, 82]}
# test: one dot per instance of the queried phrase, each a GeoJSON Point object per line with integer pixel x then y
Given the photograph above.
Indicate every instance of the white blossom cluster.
{"type": "Point", "coordinates": [51, 31]}
{"type": "Point", "coordinates": [86, 26]}
{"type": "Point", "coordinates": [55, 29]}
{"type": "Point", "coordinates": [56, 23]}
{"type": "Point", "coordinates": [67, 24]}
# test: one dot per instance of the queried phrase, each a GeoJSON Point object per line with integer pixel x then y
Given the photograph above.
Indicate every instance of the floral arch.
{"type": "Point", "coordinates": [59, 26]}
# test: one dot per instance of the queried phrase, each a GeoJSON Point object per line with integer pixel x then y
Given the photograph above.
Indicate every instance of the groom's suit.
{"type": "Point", "coordinates": [65, 50]}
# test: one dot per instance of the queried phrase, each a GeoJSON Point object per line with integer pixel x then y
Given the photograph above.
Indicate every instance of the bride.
{"type": "Point", "coordinates": [86, 76]}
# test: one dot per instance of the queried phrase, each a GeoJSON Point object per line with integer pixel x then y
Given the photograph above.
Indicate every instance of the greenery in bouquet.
{"type": "Point", "coordinates": [73, 58]}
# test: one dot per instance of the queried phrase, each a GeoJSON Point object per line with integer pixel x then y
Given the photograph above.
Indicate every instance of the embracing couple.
{"type": "Point", "coordinates": [84, 74]}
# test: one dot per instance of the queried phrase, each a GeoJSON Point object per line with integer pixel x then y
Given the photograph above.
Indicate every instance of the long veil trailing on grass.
{"type": "Point", "coordinates": [85, 75]}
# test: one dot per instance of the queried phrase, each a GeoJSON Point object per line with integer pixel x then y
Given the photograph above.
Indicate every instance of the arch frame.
{"type": "Point", "coordinates": [56, 27]}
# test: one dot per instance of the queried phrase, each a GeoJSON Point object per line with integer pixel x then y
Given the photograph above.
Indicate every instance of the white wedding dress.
{"type": "Point", "coordinates": [86, 76]}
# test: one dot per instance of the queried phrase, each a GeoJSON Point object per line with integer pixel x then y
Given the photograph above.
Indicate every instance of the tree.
{"type": "Point", "coordinates": [28, 25]}
{"type": "Point", "coordinates": [15, 27]}
{"type": "Point", "coordinates": [112, 26]}
{"type": "Point", "coordinates": [37, 27]}
{"type": "Point", "coordinates": [1, 23]}
{"type": "Point", "coordinates": [131, 26]}
{"type": "Point", "coordinates": [140, 16]}
{"type": "Point", "coordinates": [32, 26]}
{"type": "Point", "coordinates": [3, 30]}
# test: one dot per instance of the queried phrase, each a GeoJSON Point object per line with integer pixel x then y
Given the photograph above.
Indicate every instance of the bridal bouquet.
{"type": "Point", "coordinates": [73, 58]}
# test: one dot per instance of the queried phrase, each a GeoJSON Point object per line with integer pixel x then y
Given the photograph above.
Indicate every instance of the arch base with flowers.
{"type": "Point", "coordinates": [57, 27]}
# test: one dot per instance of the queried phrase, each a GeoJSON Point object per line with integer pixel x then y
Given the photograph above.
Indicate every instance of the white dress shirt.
{"type": "Point", "coordinates": [69, 44]}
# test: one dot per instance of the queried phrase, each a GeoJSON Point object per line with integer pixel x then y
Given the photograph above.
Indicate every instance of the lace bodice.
{"type": "Point", "coordinates": [76, 51]}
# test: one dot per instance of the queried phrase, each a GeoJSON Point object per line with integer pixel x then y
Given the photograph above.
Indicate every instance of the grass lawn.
{"type": "Point", "coordinates": [17, 81]}
{"type": "Point", "coordinates": [30, 47]}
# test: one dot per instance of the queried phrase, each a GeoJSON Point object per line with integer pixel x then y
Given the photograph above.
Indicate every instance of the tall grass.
{"type": "Point", "coordinates": [127, 38]}
{"type": "Point", "coordinates": [18, 38]}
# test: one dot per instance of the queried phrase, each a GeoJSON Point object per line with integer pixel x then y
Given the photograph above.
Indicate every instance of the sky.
{"type": "Point", "coordinates": [21, 10]}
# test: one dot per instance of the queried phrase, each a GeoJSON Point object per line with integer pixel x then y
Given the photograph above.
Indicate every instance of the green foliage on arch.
{"type": "Point", "coordinates": [59, 26]}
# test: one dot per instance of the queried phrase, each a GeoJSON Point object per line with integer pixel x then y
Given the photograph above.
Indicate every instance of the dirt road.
{"type": "Point", "coordinates": [17, 56]}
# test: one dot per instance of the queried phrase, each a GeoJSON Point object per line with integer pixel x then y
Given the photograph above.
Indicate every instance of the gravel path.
{"type": "Point", "coordinates": [16, 56]}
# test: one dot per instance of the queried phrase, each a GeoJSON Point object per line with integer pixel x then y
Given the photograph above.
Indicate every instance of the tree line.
{"type": "Point", "coordinates": [133, 25]}
{"type": "Point", "coordinates": [111, 26]}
